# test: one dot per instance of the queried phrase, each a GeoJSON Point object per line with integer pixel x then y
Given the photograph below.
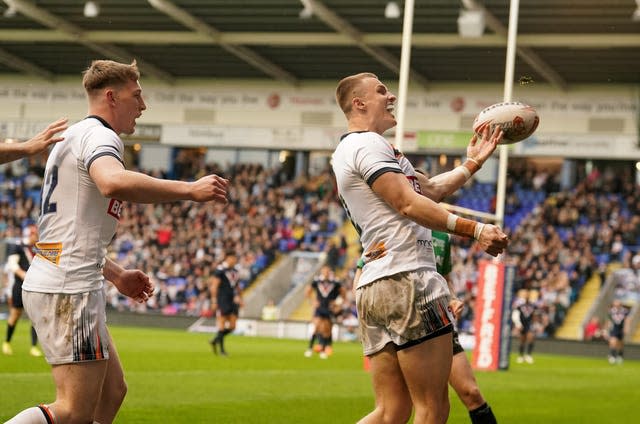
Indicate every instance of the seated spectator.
{"type": "Point", "coordinates": [593, 330]}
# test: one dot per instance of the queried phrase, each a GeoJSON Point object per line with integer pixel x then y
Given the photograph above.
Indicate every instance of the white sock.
{"type": "Point", "coordinates": [33, 415]}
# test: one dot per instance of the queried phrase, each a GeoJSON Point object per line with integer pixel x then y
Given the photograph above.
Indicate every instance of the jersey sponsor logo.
{"type": "Point", "coordinates": [425, 243]}
{"type": "Point", "coordinates": [115, 208]}
{"type": "Point", "coordinates": [49, 251]}
{"type": "Point", "coordinates": [414, 183]}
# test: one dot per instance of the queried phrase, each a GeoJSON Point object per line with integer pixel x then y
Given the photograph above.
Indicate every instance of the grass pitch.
{"type": "Point", "coordinates": [173, 377]}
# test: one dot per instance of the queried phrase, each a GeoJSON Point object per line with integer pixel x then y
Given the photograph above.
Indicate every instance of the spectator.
{"type": "Point", "coordinates": [593, 330]}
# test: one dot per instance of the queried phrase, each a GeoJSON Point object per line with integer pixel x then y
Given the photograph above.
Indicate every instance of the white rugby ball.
{"type": "Point", "coordinates": [517, 120]}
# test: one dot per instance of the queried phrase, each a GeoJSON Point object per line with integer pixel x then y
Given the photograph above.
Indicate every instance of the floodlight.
{"type": "Point", "coordinates": [471, 23]}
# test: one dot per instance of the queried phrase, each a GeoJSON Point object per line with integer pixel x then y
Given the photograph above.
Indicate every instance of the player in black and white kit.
{"type": "Point", "coordinates": [326, 289]}
{"type": "Point", "coordinates": [19, 256]}
{"type": "Point", "coordinates": [226, 300]}
{"type": "Point", "coordinates": [84, 185]}
{"type": "Point", "coordinates": [617, 319]}
{"type": "Point", "coordinates": [403, 303]}
{"type": "Point", "coordinates": [523, 319]}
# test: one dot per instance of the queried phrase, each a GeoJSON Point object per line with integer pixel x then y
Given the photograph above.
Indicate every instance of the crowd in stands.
{"type": "Point", "coordinates": [180, 244]}
{"type": "Point", "coordinates": [559, 241]}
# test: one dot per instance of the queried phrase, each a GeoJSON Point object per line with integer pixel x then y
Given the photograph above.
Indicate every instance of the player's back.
{"type": "Point", "coordinates": [76, 221]}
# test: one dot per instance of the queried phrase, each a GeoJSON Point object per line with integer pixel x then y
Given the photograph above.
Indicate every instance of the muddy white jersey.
{"type": "Point", "coordinates": [76, 221]}
{"type": "Point", "coordinates": [391, 242]}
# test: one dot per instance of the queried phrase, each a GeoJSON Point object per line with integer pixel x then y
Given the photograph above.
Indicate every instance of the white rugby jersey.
{"type": "Point", "coordinates": [392, 243]}
{"type": "Point", "coordinates": [76, 221]}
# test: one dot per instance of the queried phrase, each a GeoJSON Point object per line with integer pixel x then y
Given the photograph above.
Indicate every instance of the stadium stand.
{"type": "Point", "coordinates": [179, 244]}
{"type": "Point", "coordinates": [562, 241]}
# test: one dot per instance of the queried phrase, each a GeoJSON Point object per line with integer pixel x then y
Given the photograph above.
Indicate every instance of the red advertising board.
{"type": "Point", "coordinates": [490, 310]}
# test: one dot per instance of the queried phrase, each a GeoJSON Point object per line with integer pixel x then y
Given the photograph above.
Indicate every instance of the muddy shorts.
{"type": "Point", "coordinates": [404, 309]}
{"type": "Point", "coordinates": [71, 327]}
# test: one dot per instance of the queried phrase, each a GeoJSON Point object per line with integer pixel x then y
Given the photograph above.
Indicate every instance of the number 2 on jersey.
{"type": "Point", "coordinates": [50, 185]}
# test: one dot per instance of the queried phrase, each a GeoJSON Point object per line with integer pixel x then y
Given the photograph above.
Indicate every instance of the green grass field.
{"type": "Point", "coordinates": [174, 378]}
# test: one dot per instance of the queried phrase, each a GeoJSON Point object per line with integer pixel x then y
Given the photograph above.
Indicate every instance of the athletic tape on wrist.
{"type": "Point", "coordinates": [462, 226]}
{"type": "Point", "coordinates": [478, 230]}
{"type": "Point", "coordinates": [475, 161]}
{"type": "Point", "coordinates": [471, 165]}
{"type": "Point", "coordinates": [451, 222]}
{"type": "Point", "coordinates": [465, 227]}
{"type": "Point", "coordinates": [465, 171]}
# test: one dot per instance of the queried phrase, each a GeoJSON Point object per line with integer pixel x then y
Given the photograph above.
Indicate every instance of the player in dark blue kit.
{"type": "Point", "coordinates": [617, 318]}
{"type": "Point", "coordinates": [523, 317]}
{"type": "Point", "coordinates": [19, 257]}
{"type": "Point", "coordinates": [226, 300]}
{"type": "Point", "coordinates": [327, 289]}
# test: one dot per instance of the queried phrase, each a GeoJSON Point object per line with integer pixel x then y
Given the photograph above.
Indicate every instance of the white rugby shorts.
{"type": "Point", "coordinates": [404, 309]}
{"type": "Point", "coordinates": [71, 327]}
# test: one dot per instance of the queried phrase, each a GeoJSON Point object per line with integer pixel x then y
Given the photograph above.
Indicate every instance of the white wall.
{"type": "Point", "coordinates": [155, 157]}
{"type": "Point", "coordinates": [273, 115]}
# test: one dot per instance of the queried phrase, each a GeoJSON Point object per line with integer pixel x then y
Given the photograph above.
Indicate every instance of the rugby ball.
{"type": "Point", "coordinates": [517, 120]}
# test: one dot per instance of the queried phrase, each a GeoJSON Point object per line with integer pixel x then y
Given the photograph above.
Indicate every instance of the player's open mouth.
{"type": "Point", "coordinates": [390, 108]}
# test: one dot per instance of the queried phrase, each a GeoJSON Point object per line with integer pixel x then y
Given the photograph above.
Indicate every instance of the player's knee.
{"type": "Point", "coordinates": [435, 413]}
{"type": "Point", "coordinates": [471, 396]}
{"type": "Point", "coordinates": [121, 390]}
{"type": "Point", "coordinates": [70, 415]}
{"type": "Point", "coordinates": [398, 413]}
{"type": "Point", "coordinates": [117, 391]}
{"type": "Point", "coordinates": [395, 416]}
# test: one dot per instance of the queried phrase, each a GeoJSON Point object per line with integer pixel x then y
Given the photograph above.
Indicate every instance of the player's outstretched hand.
{"type": "Point", "coordinates": [493, 240]}
{"type": "Point", "coordinates": [46, 137]}
{"type": "Point", "coordinates": [210, 187]}
{"type": "Point", "coordinates": [136, 285]}
{"type": "Point", "coordinates": [480, 148]}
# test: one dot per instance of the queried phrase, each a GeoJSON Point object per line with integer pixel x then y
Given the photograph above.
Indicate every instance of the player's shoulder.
{"type": "Point", "coordinates": [374, 140]}
{"type": "Point", "coordinates": [103, 133]}
{"type": "Point", "coordinates": [359, 139]}
{"type": "Point", "coordinates": [94, 130]}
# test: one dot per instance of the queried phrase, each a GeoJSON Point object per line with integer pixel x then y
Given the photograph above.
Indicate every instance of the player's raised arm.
{"type": "Point", "coordinates": [398, 193]}
{"type": "Point", "coordinates": [14, 151]}
{"type": "Point", "coordinates": [478, 151]}
{"type": "Point", "coordinates": [114, 181]}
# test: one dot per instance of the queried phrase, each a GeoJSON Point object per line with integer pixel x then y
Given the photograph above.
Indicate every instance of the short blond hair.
{"type": "Point", "coordinates": [104, 73]}
{"type": "Point", "coordinates": [347, 89]}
